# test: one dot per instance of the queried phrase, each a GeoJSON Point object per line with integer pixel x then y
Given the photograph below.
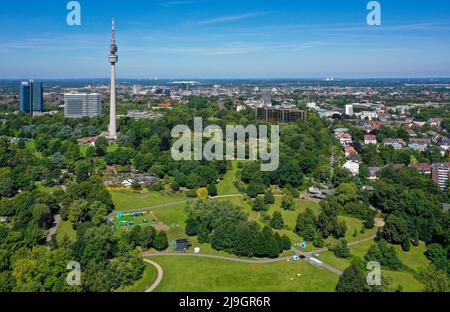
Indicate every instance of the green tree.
{"type": "Point", "coordinates": [341, 249]}
{"type": "Point", "coordinates": [352, 280]}
{"type": "Point", "coordinates": [83, 170]}
{"type": "Point", "coordinates": [435, 280]}
{"type": "Point", "coordinates": [6, 183]}
{"type": "Point", "coordinates": [160, 242]}
{"type": "Point", "coordinates": [258, 205]}
{"type": "Point", "coordinates": [147, 236]}
{"type": "Point", "coordinates": [306, 225]}
{"type": "Point", "coordinates": [287, 203]}
{"type": "Point", "coordinates": [78, 211]}
{"type": "Point", "coordinates": [269, 199]}
{"type": "Point", "coordinates": [396, 230]}
{"type": "Point", "coordinates": [42, 215]}
{"type": "Point", "coordinates": [438, 256]}
{"type": "Point", "coordinates": [384, 254]}
{"type": "Point", "coordinates": [347, 192]}
{"type": "Point", "coordinates": [277, 221]}
{"type": "Point", "coordinates": [212, 190]}
{"type": "Point", "coordinates": [97, 212]}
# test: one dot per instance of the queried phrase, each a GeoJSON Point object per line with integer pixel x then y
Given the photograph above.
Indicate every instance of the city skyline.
{"type": "Point", "coordinates": [208, 39]}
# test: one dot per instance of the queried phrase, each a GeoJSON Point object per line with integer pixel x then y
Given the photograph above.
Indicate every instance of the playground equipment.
{"type": "Point", "coordinates": [129, 224]}
{"type": "Point", "coordinates": [304, 244]}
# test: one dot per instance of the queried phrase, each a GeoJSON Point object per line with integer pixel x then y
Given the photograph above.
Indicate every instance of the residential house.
{"type": "Point", "coordinates": [395, 143]}
{"type": "Point", "coordinates": [435, 122]}
{"type": "Point", "coordinates": [350, 150]}
{"type": "Point", "coordinates": [444, 145]}
{"type": "Point", "coordinates": [352, 166]}
{"type": "Point", "coordinates": [419, 144]}
{"type": "Point", "coordinates": [434, 136]}
{"type": "Point", "coordinates": [373, 172]}
{"type": "Point", "coordinates": [345, 139]}
{"type": "Point", "coordinates": [411, 133]}
{"type": "Point", "coordinates": [88, 141]}
{"type": "Point", "coordinates": [370, 139]}
{"type": "Point", "coordinates": [423, 168]}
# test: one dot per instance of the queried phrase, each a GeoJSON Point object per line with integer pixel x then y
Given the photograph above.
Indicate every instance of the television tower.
{"type": "Point", "coordinates": [113, 59]}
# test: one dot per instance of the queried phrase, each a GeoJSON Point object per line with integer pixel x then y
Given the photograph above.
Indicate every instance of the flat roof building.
{"type": "Point", "coordinates": [284, 115]}
{"type": "Point", "coordinates": [79, 105]}
{"type": "Point", "coordinates": [440, 173]}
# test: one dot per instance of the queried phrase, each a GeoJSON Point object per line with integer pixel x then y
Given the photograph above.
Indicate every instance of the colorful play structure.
{"type": "Point", "coordinates": [304, 245]}
{"type": "Point", "coordinates": [124, 223]}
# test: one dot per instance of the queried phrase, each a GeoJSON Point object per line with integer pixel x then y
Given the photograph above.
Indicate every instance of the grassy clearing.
{"type": "Point", "coordinates": [149, 276]}
{"type": "Point", "coordinates": [207, 275]}
{"type": "Point", "coordinates": [65, 228]}
{"type": "Point", "coordinates": [226, 186]}
{"type": "Point", "coordinates": [128, 200]}
{"type": "Point", "coordinates": [415, 259]}
{"type": "Point", "coordinates": [329, 258]}
{"type": "Point", "coordinates": [405, 279]}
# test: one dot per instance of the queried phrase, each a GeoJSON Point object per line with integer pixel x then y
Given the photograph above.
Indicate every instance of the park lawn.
{"type": "Point", "coordinates": [169, 215]}
{"type": "Point", "coordinates": [356, 224]}
{"type": "Point", "coordinates": [290, 217]}
{"type": "Point", "coordinates": [360, 250]}
{"type": "Point", "coordinates": [112, 148]}
{"type": "Point", "coordinates": [415, 259]}
{"type": "Point", "coordinates": [226, 186]}
{"type": "Point", "coordinates": [404, 279]}
{"type": "Point", "coordinates": [352, 225]}
{"type": "Point", "coordinates": [193, 274]}
{"type": "Point", "coordinates": [128, 200]}
{"type": "Point", "coordinates": [141, 285]}
{"type": "Point", "coordinates": [65, 228]}
{"type": "Point", "coordinates": [329, 258]}
{"type": "Point", "coordinates": [83, 150]}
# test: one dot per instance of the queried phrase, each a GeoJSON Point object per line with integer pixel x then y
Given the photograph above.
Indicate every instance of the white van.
{"type": "Point", "coordinates": [315, 261]}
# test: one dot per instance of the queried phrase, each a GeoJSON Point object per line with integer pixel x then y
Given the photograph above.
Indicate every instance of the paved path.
{"type": "Point", "coordinates": [187, 254]}
{"type": "Point", "coordinates": [307, 255]}
{"type": "Point", "coordinates": [54, 228]}
{"type": "Point", "coordinates": [158, 278]}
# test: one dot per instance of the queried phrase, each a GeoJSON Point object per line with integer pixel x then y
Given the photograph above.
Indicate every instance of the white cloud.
{"type": "Point", "coordinates": [231, 18]}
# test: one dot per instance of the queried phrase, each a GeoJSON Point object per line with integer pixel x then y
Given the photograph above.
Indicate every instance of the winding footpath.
{"type": "Point", "coordinates": [158, 278]}
{"type": "Point", "coordinates": [307, 255]}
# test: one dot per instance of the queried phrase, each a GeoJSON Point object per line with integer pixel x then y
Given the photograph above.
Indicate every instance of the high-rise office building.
{"type": "Point", "coordinates": [26, 98]}
{"type": "Point", "coordinates": [78, 105]}
{"type": "Point", "coordinates": [38, 97]}
{"type": "Point", "coordinates": [31, 97]}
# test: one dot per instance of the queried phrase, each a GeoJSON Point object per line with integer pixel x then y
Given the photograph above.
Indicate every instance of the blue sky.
{"type": "Point", "coordinates": [226, 39]}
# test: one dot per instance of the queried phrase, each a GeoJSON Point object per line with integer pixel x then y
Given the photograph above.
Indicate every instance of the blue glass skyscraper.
{"type": "Point", "coordinates": [38, 97]}
{"type": "Point", "coordinates": [31, 97]}
{"type": "Point", "coordinates": [26, 98]}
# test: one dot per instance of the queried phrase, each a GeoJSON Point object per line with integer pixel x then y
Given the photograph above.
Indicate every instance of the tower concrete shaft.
{"type": "Point", "coordinates": [113, 59]}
